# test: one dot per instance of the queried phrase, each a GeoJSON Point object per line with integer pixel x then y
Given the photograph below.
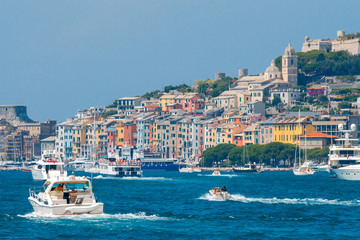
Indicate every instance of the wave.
{"type": "Point", "coordinates": [294, 201]}
{"type": "Point", "coordinates": [94, 217]}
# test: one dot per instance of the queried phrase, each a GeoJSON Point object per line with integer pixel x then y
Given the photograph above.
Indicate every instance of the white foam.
{"type": "Point", "coordinates": [135, 178]}
{"type": "Point", "coordinates": [95, 217]}
{"type": "Point", "coordinates": [304, 201]}
{"type": "Point", "coordinates": [210, 197]}
{"type": "Point", "coordinates": [222, 175]}
{"type": "Point", "coordinates": [274, 200]}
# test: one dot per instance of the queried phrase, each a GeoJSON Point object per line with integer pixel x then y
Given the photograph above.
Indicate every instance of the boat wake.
{"type": "Point", "coordinates": [294, 201]}
{"type": "Point", "coordinates": [135, 178]}
{"type": "Point", "coordinates": [96, 217]}
{"type": "Point", "coordinates": [210, 197]}
{"type": "Point", "coordinates": [222, 175]}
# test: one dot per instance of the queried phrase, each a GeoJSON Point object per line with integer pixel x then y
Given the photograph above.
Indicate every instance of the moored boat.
{"type": "Point", "coordinates": [65, 196]}
{"type": "Point", "coordinates": [344, 156]}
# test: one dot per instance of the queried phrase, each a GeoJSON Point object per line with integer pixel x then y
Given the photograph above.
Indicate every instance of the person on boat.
{"type": "Point", "coordinates": [59, 188]}
{"type": "Point", "coordinates": [224, 189]}
{"type": "Point", "coordinates": [215, 190]}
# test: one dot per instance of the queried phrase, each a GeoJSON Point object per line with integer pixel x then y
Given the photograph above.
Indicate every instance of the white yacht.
{"type": "Point", "coordinates": [65, 196]}
{"type": "Point", "coordinates": [49, 166]}
{"type": "Point", "coordinates": [344, 156]}
{"type": "Point", "coordinates": [80, 164]}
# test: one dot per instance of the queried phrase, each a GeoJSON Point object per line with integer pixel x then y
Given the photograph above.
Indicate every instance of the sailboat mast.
{"type": "Point", "coordinates": [299, 140]}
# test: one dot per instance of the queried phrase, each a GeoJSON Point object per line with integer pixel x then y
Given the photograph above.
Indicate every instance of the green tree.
{"type": "Point", "coordinates": [276, 100]}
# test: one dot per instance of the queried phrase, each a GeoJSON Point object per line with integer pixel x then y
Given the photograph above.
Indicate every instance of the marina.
{"type": "Point", "coordinates": [266, 205]}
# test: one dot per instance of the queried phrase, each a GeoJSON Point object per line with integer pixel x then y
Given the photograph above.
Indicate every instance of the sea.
{"type": "Point", "coordinates": [173, 205]}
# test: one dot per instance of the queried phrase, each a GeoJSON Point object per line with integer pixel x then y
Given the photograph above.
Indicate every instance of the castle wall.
{"type": "Point", "coordinates": [14, 113]}
{"type": "Point", "coordinates": [324, 45]}
{"type": "Point", "coordinates": [352, 46]}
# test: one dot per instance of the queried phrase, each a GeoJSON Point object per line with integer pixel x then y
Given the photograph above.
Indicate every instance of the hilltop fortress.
{"type": "Point", "coordinates": [14, 114]}
{"type": "Point", "coordinates": [342, 43]}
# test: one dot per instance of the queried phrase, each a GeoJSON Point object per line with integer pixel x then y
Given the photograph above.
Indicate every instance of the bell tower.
{"type": "Point", "coordinates": [289, 66]}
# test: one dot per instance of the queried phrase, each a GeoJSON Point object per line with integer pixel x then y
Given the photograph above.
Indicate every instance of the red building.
{"type": "Point", "coordinates": [315, 91]}
{"type": "Point", "coordinates": [130, 136]}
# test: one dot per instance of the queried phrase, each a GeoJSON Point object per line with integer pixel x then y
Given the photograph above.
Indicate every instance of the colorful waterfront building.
{"type": "Point", "coordinates": [286, 130]}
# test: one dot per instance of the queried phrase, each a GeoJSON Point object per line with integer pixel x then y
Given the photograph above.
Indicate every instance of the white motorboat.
{"type": "Point", "coordinates": [344, 156]}
{"type": "Point", "coordinates": [49, 166]}
{"type": "Point", "coordinates": [65, 196]}
{"type": "Point", "coordinates": [216, 173]}
{"type": "Point", "coordinates": [80, 164]}
{"type": "Point", "coordinates": [189, 169]}
{"type": "Point", "coordinates": [220, 193]}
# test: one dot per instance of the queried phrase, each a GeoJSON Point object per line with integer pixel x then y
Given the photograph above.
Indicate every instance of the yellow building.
{"type": "Point", "coordinates": [119, 132]}
{"type": "Point", "coordinates": [223, 133]}
{"type": "Point", "coordinates": [287, 130]}
{"type": "Point", "coordinates": [79, 136]}
{"type": "Point", "coordinates": [166, 100]}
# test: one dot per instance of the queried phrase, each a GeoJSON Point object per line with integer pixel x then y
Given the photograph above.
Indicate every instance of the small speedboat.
{"type": "Point", "coordinates": [65, 196]}
{"type": "Point", "coordinates": [220, 193]}
{"type": "Point", "coordinates": [216, 173]}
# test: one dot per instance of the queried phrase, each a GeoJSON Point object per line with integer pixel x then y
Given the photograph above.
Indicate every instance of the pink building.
{"type": "Point", "coordinates": [315, 91]}
{"type": "Point", "coordinates": [190, 103]}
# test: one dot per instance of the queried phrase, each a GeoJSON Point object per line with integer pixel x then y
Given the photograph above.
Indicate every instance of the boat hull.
{"type": "Point", "coordinates": [161, 167]}
{"type": "Point", "coordinates": [245, 170]}
{"type": "Point", "coordinates": [346, 174]}
{"type": "Point", "coordinates": [66, 209]}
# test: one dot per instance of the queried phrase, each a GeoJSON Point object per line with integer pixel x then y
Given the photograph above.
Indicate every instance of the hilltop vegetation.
{"type": "Point", "coordinates": [205, 88]}
{"type": "Point", "coordinates": [317, 63]}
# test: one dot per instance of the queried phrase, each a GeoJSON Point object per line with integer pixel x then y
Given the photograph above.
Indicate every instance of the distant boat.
{"type": "Point", "coordinates": [189, 169]}
{"type": "Point", "coordinates": [303, 169]}
{"type": "Point", "coordinates": [216, 173]}
{"type": "Point", "coordinates": [49, 166]}
{"type": "Point", "coordinates": [250, 168]}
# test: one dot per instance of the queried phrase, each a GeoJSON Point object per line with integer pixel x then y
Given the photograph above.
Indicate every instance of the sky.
{"type": "Point", "coordinates": [58, 57]}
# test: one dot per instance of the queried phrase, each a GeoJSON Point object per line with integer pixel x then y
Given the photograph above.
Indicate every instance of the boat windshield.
{"type": "Point", "coordinates": [71, 186]}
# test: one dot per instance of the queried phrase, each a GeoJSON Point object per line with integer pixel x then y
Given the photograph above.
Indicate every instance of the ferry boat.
{"type": "Point", "coordinates": [65, 196]}
{"type": "Point", "coordinates": [119, 162]}
{"type": "Point", "coordinates": [344, 156]}
{"type": "Point", "coordinates": [149, 161]}
{"type": "Point", "coordinates": [49, 166]}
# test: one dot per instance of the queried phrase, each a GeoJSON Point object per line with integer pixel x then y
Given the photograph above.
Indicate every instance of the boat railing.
{"type": "Point", "coordinates": [34, 191]}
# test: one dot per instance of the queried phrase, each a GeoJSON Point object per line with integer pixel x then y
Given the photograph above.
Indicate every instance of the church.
{"type": "Point", "coordinates": [260, 86]}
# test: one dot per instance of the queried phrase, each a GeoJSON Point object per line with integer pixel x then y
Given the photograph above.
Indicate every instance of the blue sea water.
{"type": "Point", "coordinates": [172, 205]}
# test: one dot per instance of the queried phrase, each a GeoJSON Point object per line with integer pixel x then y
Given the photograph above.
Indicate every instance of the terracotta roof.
{"type": "Point", "coordinates": [319, 135]}
{"type": "Point", "coordinates": [152, 105]}
{"type": "Point", "coordinates": [316, 88]}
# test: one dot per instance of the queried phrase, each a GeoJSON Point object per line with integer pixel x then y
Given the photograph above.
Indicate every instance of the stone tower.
{"type": "Point", "coordinates": [289, 66]}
